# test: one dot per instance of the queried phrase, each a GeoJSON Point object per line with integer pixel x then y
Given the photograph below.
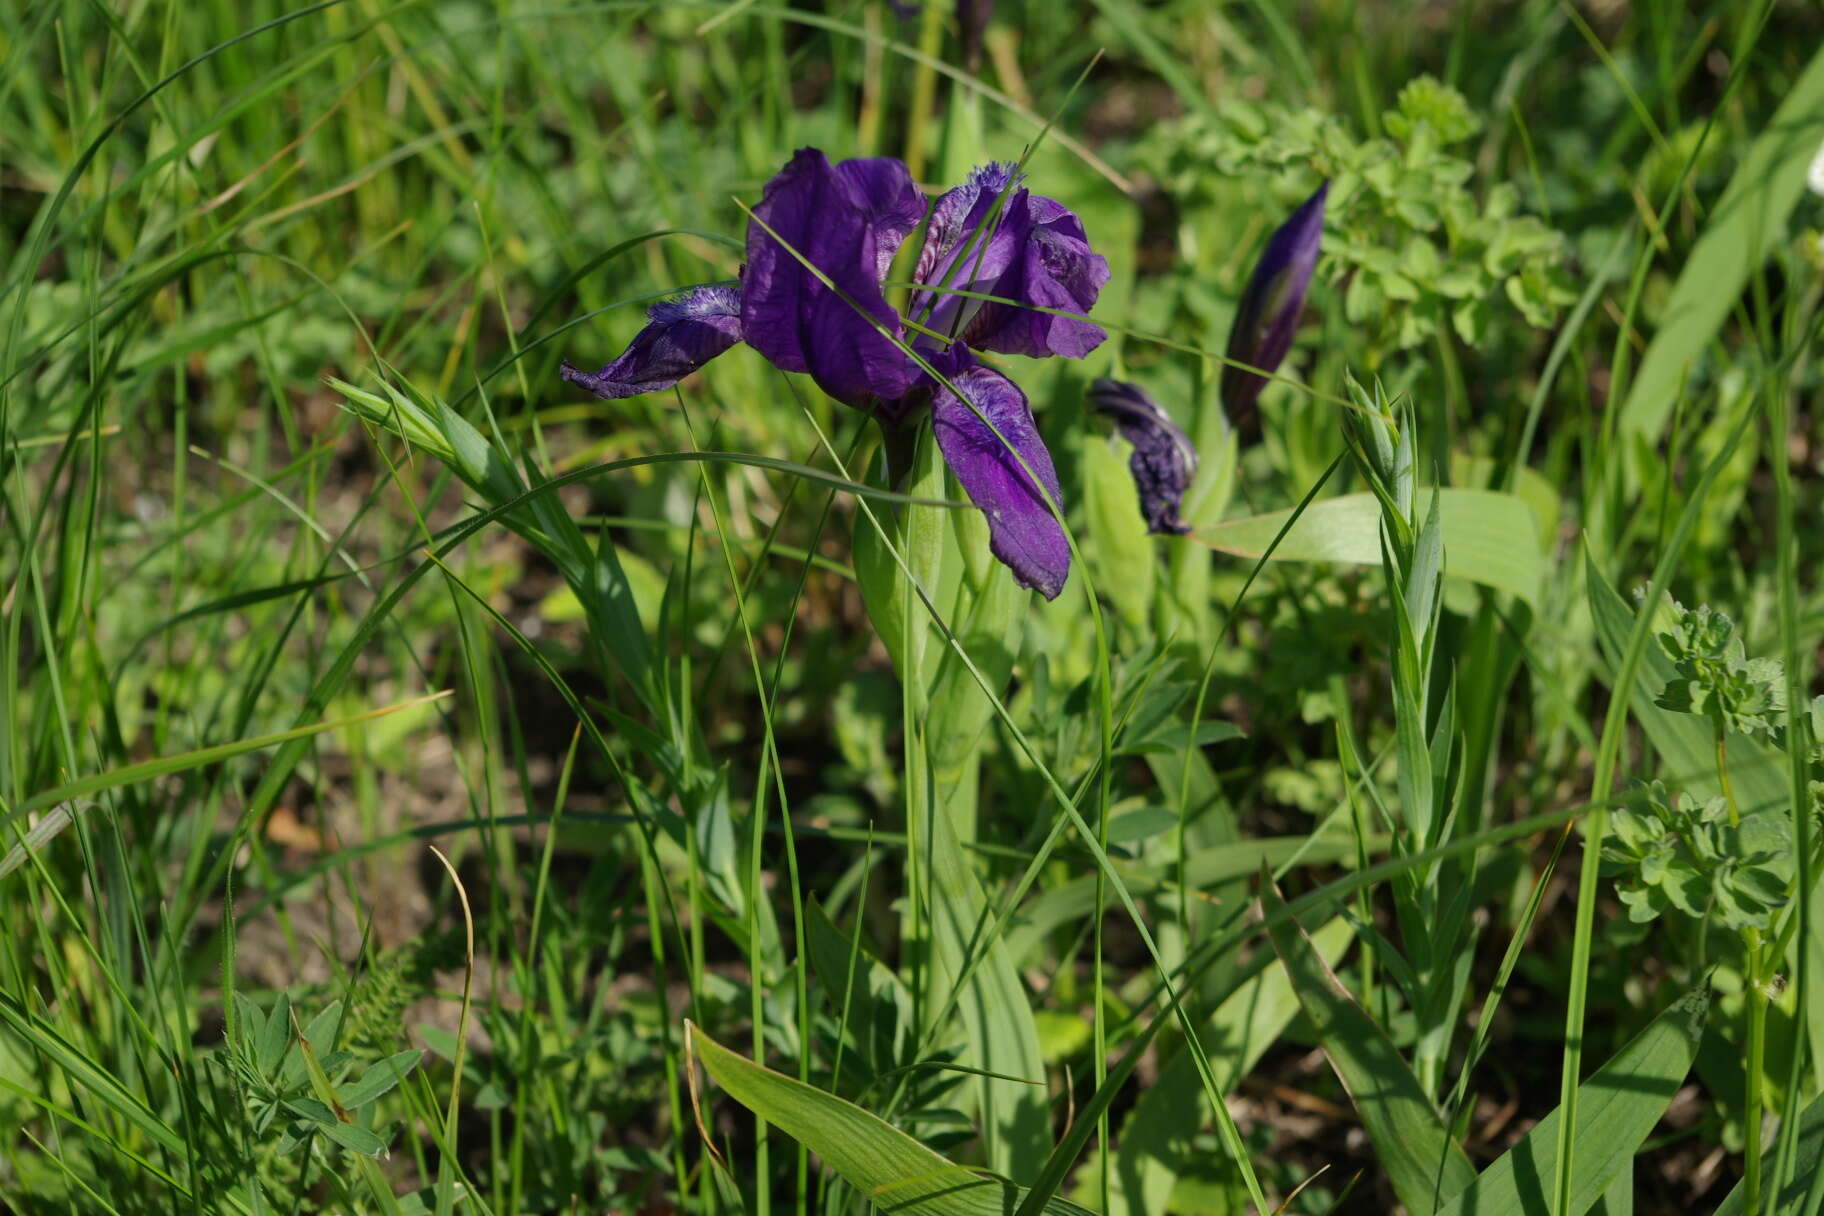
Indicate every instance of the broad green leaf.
{"type": "Point", "coordinates": [1417, 1152]}
{"type": "Point", "coordinates": [892, 1170]}
{"type": "Point", "coordinates": [1489, 537]}
{"type": "Point", "coordinates": [988, 620]}
{"type": "Point", "coordinates": [1618, 1200]}
{"type": "Point", "coordinates": [1531, 486]}
{"type": "Point", "coordinates": [1120, 554]}
{"type": "Point", "coordinates": [1685, 742]}
{"type": "Point", "coordinates": [1617, 1108]}
{"type": "Point", "coordinates": [1002, 1037]}
{"type": "Point", "coordinates": [248, 1027]}
{"type": "Point", "coordinates": [1155, 1143]}
{"type": "Point", "coordinates": [1737, 236]}
{"type": "Point", "coordinates": [476, 460]}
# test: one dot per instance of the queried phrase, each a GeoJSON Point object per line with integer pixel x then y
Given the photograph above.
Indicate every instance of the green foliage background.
{"type": "Point", "coordinates": [309, 565]}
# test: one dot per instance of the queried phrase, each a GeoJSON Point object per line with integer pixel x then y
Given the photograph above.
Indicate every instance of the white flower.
{"type": "Point", "coordinates": [1814, 177]}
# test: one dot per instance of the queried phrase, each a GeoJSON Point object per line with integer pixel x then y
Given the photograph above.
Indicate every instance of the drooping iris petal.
{"type": "Point", "coordinates": [847, 220]}
{"type": "Point", "coordinates": [681, 335]}
{"type": "Point", "coordinates": [1163, 462]}
{"type": "Point", "coordinates": [977, 232]}
{"type": "Point", "coordinates": [1267, 316]}
{"type": "Point", "coordinates": [1056, 269]}
{"type": "Point", "coordinates": [1022, 531]}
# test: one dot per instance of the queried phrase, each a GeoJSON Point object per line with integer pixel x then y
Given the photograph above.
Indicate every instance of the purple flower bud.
{"type": "Point", "coordinates": [1267, 316]}
{"type": "Point", "coordinates": [1163, 462]}
{"type": "Point", "coordinates": [972, 20]}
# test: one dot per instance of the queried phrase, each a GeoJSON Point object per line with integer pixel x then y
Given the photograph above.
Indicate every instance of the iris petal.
{"type": "Point", "coordinates": [1055, 268]}
{"type": "Point", "coordinates": [1022, 531]}
{"type": "Point", "coordinates": [1163, 462]}
{"type": "Point", "coordinates": [1267, 316]}
{"type": "Point", "coordinates": [681, 335]}
{"type": "Point", "coordinates": [964, 252]}
{"type": "Point", "coordinates": [846, 220]}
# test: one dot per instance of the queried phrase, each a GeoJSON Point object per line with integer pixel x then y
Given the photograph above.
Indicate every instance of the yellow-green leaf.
{"type": "Point", "coordinates": [1489, 537]}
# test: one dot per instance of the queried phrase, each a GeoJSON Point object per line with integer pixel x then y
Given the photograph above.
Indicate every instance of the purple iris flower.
{"type": "Point", "coordinates": [1163, 461]}
{"type": "Point", "coordinates": [1268, 313]}
{"type": "Point", "coordinates": [988, 237]}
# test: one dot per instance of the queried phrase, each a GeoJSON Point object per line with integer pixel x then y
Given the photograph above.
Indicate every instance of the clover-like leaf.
{"type": "Point", "coordinates": [1427, 102]}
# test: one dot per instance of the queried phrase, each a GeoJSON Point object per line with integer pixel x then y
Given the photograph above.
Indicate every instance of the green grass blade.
{"type": "Point", "coordinates": [164, 766]}
{"type": "Point", "coordinates": [1155, 1142]}
{"type": "Point", "coordinates": [1003, 1037]}
{"type": "Point", "coordinates": [1809, 1167]}
{"type": "Point", "coordinates": [1418, 1154]}
{"type": "Point", "coordinates": [1750, 217]}
{"type": "Point", "coordinates": [88, 1074]}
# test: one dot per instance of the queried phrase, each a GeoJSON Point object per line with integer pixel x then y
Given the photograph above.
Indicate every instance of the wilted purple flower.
{"type": "Point", "coordinates": [1267, 316]}
{"type": "Point", "coordinates": [1163, 462]}
{"type": "Point", "coordinates": [988, 237]}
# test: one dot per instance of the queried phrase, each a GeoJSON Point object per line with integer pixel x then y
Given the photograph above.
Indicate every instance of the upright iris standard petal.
{"type": "Point", "coordinates": [976, 234]}
{"type": "Point", "coordinates": [1163, 462]}
{"type": "Point", "coordinates": [1267, 316]}
{"type": "Point", "coordinates": [1022, 531]}
{"type": "Point", "coordinates": [846, 220]}
{"type": "Point", "coordinates": [682, 335]}
{"type": "Point", "coordinates": [1055, 269]}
